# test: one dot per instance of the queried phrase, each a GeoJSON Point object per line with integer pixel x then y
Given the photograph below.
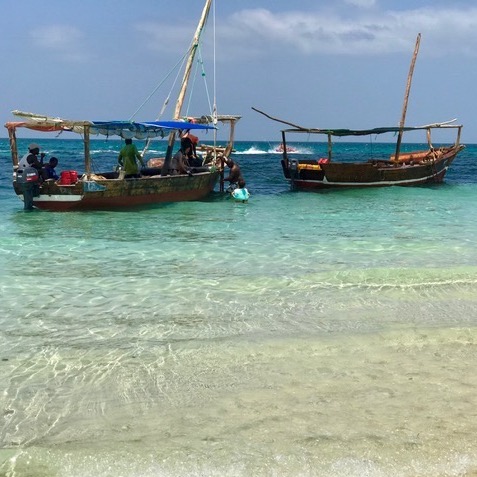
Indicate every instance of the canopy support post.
{"type": "Point", "coordinates": [457, 141]}
{"type": "Point", "coordinates": [13, 146]}
{"type": "Point", "coordinates": [285, 153]}
{"type": "Point", "coordinates": [87, 155]}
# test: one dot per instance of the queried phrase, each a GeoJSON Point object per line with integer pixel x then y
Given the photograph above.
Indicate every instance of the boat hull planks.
{"type": "Point", "coordinates": [309, 174]}
{"type": "Point", "coordinates": [100, 194]}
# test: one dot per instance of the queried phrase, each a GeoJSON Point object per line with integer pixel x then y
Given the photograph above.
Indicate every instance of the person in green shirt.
{"type": "Point", "coordinates": [128, 159]}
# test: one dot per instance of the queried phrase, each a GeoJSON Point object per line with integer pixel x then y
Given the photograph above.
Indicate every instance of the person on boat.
{"type": "Point", "coordinates": [30, 159]}
{"type": "Point", "coordinates": [188, 147]}
{"type": "Point", "coordinates": [194, 160]}
{"type": "Point", "coordinates": [241, 194]}
{"type": "Point", "coordinates": [49, 169]}
{"type": "Point", "coordinates": [128, 158]}
{"type": "Point", "coordinates": [235, 174]}
{"type": "Point", "coordinates": [180, 160]}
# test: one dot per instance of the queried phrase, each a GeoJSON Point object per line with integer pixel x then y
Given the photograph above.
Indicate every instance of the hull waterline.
{"type": "Point", "coordinates": [120, 194]}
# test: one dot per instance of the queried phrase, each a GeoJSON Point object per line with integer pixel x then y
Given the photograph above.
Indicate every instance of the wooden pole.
{"type": "Point", "coordinates": [87, 155]}
{"type": "Point", "coordinates": [457, 141]}
{"type": "Point", "coordinates": [406, 97]}
{"type": "Point", "coordinates": [230, 145]}
{"type": "Point", "coordinates": [185, 81]}
{"type": "Point", "coordinates": [13, 146]}
{"type": "Point", "coordinates": [190, 61]}
{"type": "Point", "coordinates": [226, 152]}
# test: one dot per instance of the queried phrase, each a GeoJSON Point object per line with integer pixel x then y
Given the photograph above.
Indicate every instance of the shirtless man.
{"type": "Point", "coordinates": [234, 173]}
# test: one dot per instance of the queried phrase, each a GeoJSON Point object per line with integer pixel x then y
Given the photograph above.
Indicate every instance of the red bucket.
{"type": "Point", "coordinates": [68, 177]}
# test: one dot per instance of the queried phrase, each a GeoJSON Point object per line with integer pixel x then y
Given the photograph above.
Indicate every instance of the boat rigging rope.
{"type": "Point", "coordinates": [214, 112]}
{"type": "Point", "coordinates": [166, 101]}
{"type": "Point", "coordinates": [205, 81]}
{"type": "Point", "coordinates": [175, 67]}
{"type": "Point", "coordinates": [181, 62]}
{"type": "Point", "coordinates": [200, 62]}
{"type": "Point", "coordinates": [215, 73]}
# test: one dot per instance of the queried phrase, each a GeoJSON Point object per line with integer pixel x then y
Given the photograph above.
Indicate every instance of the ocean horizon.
{"type": "Point", "coordinates": [299, 334]}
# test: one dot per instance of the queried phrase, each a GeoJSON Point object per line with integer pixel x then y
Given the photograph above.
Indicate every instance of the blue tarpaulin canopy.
{"type": "Point", "coordinates": [142, 130]}
{"type": "Point", "coordinates": [124, 129]}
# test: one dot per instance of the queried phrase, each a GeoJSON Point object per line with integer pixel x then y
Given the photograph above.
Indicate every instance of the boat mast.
{"type": "Point", "coordinates": [185, 82]}
{"type": "Point", "coordinates": [406, 97]}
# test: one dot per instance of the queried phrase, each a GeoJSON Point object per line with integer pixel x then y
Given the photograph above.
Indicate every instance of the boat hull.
{"type": "Point", "coordinates": [415, 169]}
{"type": "Point", "coordinates": [100, 193]}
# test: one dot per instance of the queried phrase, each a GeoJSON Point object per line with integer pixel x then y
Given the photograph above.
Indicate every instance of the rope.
{"type": "Point", "coordinates": [214, 111]}
{"type": "Point", "coordinates": [181, 62]}
{"type": "Point", "coordinates": [200, 62]}
{"type": "Point", "coordinates": [190, 94]}
{"type": "Point", "coordinates": [215, 73]}
{"type": "Point", "coordinates": [204, 76]}
{"type": "Point", "coordinates": [166, 102]}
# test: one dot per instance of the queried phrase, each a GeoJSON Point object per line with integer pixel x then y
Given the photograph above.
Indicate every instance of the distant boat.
{"type": "Point", "coordinates": [402, 169]}
{"type": "Point", "coordinates": [109, 189]}
{"type": "Point", "coordinates": [281, 148]}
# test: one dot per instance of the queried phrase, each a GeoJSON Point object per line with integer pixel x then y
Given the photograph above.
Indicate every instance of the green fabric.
{"type": "Point", "coordinates": [361, 132]}
{"type": "Point", "coordinates": [127, 159]}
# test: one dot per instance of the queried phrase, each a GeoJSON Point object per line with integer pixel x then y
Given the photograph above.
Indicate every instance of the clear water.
{"type": "Point", "coordinates": [301, 334]}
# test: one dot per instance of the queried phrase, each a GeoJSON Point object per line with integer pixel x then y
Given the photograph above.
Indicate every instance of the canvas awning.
{"type": "Point", "coordinates": [367, 132]}
{"type": "Point", "coordinates": [124, 129]}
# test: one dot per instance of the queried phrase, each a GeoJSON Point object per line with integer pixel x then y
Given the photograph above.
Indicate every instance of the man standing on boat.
{"type": "Point", "coordinates": [29, 174]}
{"type": "Point", "coordinates": [128, 159]}
{"type": "Point", "coordinates": [30, 159]}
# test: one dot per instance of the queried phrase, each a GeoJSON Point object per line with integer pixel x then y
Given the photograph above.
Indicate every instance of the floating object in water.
{"type": "Point", "coordinates": [240, 195]}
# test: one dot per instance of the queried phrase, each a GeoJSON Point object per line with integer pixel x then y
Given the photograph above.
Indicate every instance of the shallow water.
{"type": "Point", "coordinates": [300, 334]}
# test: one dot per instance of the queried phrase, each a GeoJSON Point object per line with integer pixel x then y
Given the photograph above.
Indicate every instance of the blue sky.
{"type": "Point", "coordinates": [327, 63]}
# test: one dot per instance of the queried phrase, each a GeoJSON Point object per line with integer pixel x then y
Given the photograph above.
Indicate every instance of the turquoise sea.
{"type": "Point", "coordinates": [301, 334]}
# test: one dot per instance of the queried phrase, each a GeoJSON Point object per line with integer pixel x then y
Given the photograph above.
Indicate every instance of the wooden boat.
{"type": "Point", "coordinates": [90, 190]}
{"type": "Point", "coordinates": [401, 169]}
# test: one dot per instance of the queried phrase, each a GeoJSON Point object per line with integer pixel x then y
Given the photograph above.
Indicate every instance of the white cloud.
{"type": "Point", "coordinates": [64, 41]}
{"type": "Point", "coordinates": [260, 31]}
{"type": "Point", "coordinates": [167, 37]}
{"type": "Point", "coordinates": [361, 3]}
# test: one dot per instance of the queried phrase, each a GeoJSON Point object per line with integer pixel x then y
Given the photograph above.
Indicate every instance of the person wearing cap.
{"type": "Point", "coordinates": [30, 183]}
{"type": "Point", "coordinates": [30, 159]}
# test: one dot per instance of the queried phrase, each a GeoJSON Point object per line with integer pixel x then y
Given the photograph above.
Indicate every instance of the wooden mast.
{"type": "Point", "coordinates": [406, 97]}
{"type": "Point", "coordinates": [185, 81]}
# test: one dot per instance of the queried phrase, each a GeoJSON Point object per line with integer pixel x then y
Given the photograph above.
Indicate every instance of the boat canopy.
{"type": "Point", "coordinates": [124, 129]}
{"type": "Point", "coordinates": [367, 132]}
{"type": "Point", "coordinates": [296, 128]}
